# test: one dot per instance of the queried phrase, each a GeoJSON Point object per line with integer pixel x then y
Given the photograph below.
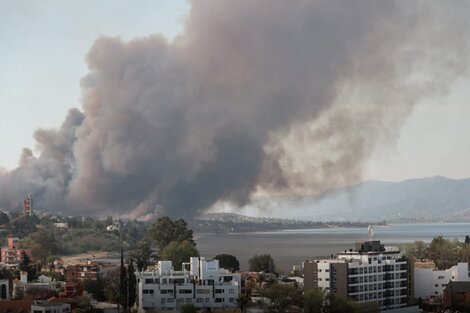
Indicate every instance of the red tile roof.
{"type": "Point", "coordinates": [7, 306]}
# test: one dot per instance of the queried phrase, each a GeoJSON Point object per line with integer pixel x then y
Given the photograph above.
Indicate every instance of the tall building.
{"type": "Point", "coordinates": [12, 255]}
{"type": "Point", "coordinates": [200, 282]}
{"type": "Point", "coordinates": [368, 273]}
{"type": "Point", "coordinates": [28, 205]}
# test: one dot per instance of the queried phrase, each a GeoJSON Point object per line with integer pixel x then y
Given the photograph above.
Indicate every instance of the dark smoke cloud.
{"type": "Point", "coordinates": [268, 97]}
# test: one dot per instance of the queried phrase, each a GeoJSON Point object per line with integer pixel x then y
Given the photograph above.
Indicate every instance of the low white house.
{"type": "Point", "coordinates": [430, 283]}
{"type": "Point", "coordinates": [200, 282]}
{"type": "Point", "coordinates": [50, 307]}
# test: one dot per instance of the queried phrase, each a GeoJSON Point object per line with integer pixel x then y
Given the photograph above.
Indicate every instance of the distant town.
{"type": "Point", "coordinates": [84, 264]}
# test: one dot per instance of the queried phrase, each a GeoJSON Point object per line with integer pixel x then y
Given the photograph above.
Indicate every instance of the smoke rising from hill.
{"type": "Point", "coordinates": [270, 97]}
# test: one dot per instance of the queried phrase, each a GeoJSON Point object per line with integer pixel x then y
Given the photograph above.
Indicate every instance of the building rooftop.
{"type": "Point", "coordinates": [10, 306]}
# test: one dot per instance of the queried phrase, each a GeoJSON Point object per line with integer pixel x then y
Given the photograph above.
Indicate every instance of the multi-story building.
{"type": "Point", "coordinates": [12, 254]}
{"type": "Point", "coordinates": [200, 282]}
{"type": "Point", "coordinates": [368, 273]}
{"type": "Point", "coordinates": [88, 270]}
{"type": "Point", "coordinates": [28, 205]}
{"type": "Point", "coordinates": [430, 283]}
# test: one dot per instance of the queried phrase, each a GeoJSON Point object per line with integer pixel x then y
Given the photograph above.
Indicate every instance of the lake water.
{"type": "Point", "coordinates": [289, 247]}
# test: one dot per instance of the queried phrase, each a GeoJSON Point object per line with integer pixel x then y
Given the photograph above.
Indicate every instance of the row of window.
{"type": "Point", "coordinates": [165, 281]}
{"type": "Point", "coordinates": [187, 291]}
{"type": "Point", "coordinates": [198, 300]}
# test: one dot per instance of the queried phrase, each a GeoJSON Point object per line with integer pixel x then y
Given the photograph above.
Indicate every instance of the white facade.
{"type": "Point", "coordinates": [324, 273]}
{"type": "Point", "coordinates": [370, 273]}
{"type": "Point", "coordinates": [51, 308]}
{"type": "Point", "coordinates": [384, 281]}
{"type": "Point", "coordinates": [201, 283]}
{"type": "Point", "coordinates": [431, 283]}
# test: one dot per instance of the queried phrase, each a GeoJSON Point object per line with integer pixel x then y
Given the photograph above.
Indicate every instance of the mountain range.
{"type": "Point", "coordinates": [424, 199]}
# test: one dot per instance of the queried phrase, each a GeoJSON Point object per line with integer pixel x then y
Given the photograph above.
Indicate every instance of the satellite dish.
{"type": "Point", "coordinates": [370, 231]}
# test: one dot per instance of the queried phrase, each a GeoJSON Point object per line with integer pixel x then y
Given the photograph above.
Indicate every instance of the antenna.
{"type": "Point", "coordinates": [370, 232]}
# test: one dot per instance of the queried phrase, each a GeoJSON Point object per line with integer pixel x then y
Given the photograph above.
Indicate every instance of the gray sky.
{"type": "Point", "coordinates": [43, 45]}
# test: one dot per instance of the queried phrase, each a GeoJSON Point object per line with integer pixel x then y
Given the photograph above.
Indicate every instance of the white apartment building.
{"type": "Point", "coordinates": [368, 273]}
{"type": "Point", "coordinates": [200, 282]}
{"type": "Point", "coordinates": [430, 283]}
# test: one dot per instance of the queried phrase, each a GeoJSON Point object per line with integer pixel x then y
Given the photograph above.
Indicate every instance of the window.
{"type": "Point", "coordinates": [185, 291]}
{"type": "Point", "coordinates": [170, 300]}
{"type": "Point", "coordinates": [149, 281]}
{"type": "Point", "coordinates": [188, 300]}
{"type": "Point", "coordinates": [203, 291]}
{"type": "Point", "coordinates": [231, 291]}
{"type": "Point", "coordinates": [163, 291]}
{"type": "Point", "coordinates": [440, 277]}
{"type": "Point", "coordinates": [219, 291]}
{"type": "Point", "coordinates": [219, 300]}
{"type": "Point", "coordinates": [436, 285]}
{"type": "Point", "coordinates": [200, 300]}
{"type": "Point", "coordinates": [163, 300]}
{"type": "Point", "coordinates": [208, 300]}
{"type": "Point", "coordinates": [231, 300]}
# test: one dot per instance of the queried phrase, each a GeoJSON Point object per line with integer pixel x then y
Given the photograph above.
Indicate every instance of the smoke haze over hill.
{"type": "Point", "coordinates": [270, 97]}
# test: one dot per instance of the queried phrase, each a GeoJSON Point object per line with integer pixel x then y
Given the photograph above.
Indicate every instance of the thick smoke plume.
{"type": "Point", "coordinates": [265, 97]}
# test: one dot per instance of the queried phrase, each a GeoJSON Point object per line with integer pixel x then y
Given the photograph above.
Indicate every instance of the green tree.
{"type": "Point", "coordinates": [417, 250]}
{"type": "Point", "coordinates": [164, 231]}
{"type": "Point", "coordinates": [179, 252]}
{"type": "Point", "coordinates": [95, 287]}
{"type": "Point", "coordinates": [42, 245]}
{"type": "Point", "coordinates": [188, 308]}
{"type": "Point", "coordinates": [131, 284]}
{"type": "Point", "coordinates": [26, 266]}
{"type": "Point", "coordinates": [314, 301]}
{"type": "Point", "coordinates": [112, 286]}
{"type": "Point", "coordinates": [123, 283]}
{"type": "Point", "coordinates": [142, 255]}
{"type": "Point", "coordinates": [261, 263]}
{"type": "Point", "coordinates": [465, 254]}
{"type": "Point", "coordinates": [109, 220]}
{"type": "Point", "coordinates": [443, 253]}
{"type": "Point", "coordinates": [467, 239]}
{"type": "Point", "coordinates": [282, 297]}
{"type": "Point", "coordinates": [228, 261]}
{"type": "Point", "coordinates": [242, 302]}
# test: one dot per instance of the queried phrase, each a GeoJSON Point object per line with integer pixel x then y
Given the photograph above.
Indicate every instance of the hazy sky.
{"type": "Point", "coordinates": [43, 45]}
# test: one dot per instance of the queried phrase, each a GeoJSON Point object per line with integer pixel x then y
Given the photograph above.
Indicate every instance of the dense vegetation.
{"type": "Point", "coordinates": [83, 234]}
{"type": "Point", "coordinates": [445, 253]}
